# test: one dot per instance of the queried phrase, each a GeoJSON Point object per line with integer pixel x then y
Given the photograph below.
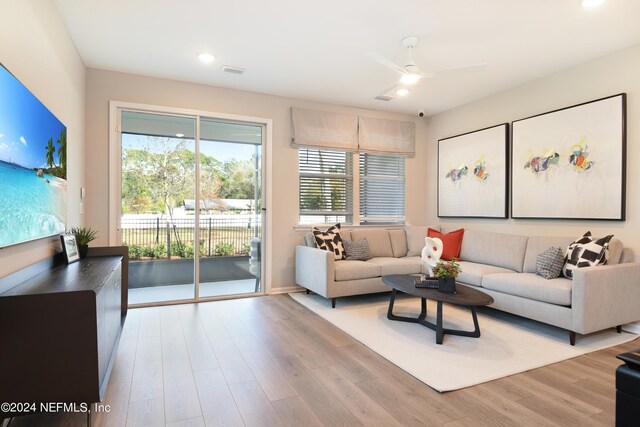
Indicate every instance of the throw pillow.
{"type": "Point", "coordinates": [329, 240]}
{"type": "Point", "coordinates": [357, 250]}
{"type": "Point", "coordinates": [550, 262]}
{"type": "Point", "coordinates": [451, 242]}
{"type": "Point", "coordinates": [586, 252]}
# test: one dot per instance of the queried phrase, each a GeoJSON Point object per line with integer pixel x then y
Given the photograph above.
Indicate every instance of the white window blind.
{"type": "Point", "coordinates": [382, 189]}
{"type": "Point", "coordinates": [326, 186]}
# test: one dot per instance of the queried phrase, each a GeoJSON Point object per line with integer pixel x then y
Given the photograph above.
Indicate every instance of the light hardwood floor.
{"type": "Point", "coordinates": [268, 361]}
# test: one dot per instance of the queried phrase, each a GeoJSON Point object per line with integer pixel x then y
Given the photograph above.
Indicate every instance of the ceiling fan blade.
{"type": "Point", "coordinates": [457, 70]}
{"type": "Point", "coordinates": [387, 63]}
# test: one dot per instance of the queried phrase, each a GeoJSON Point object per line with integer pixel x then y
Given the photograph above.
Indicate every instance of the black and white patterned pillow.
{"type": "Point", "coordinates": [586, 252]}
{"type": "Point", "coordinates": [329, 240]}
{"type": "Point", "coordinates": [550, 262]}
{"type": "Point", "coordinates": [357, 250]}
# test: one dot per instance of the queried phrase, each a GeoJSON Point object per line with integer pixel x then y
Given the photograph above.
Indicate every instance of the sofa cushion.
{"type": "Point", "coordinates": [406, 265]}
{"type": "Point", "coordinates": [309, 240]}
{"type": "Point", "coordinates": [451, 242]}
{"type": "Point", "coordinates": [615, 252]}
{"type": "Point", "coordinates": [378, 238]}
{"type": "Point", "coordinates": [398, 242]}
{"type": "Point", "coordinates": [538, 244]}
{"type": "Point", "coordinates": [472, 272]}
{"type": "Point", "coordinates": [357, 250]}
{"type": "Point", "coordinates": [501, 250]}
{"type": "Point", "coordinates": [531, 286]}
{"type": "Point", "coordinates": [354, 270]}
{"type": "Point", "coordinates": [415, 238]}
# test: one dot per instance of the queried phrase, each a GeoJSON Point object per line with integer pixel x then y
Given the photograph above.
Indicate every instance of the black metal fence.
{"type": "Point", "coordinates": [153, 238]}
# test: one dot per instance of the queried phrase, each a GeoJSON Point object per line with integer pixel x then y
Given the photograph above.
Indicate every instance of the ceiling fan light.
{"type": "Point", "coordinates": [410, 78]}
{"type": "Point", "coordinates": [402, 91]}
{"type": "Point", "coordinates": [589, 4]}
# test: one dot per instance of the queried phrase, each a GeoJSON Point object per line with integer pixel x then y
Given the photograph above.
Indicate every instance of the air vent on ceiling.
{"type": "Point", "coordinates": [383, 98]}
{"type": "Point", "coordinates": [232, 70]}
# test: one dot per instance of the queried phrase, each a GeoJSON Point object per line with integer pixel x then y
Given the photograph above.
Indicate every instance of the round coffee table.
{"type": "Point", "coordinates": [465, 296]}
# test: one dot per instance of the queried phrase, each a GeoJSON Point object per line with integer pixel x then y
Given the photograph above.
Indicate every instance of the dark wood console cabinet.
{"type": "Point", "coordinates": [59, 329]}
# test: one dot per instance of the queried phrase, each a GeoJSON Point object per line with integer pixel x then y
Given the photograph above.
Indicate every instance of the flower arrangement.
{"type": "Point", "coordinates": [447, 269]}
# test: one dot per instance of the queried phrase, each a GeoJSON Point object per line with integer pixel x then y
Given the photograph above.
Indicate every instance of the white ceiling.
{"type": "Point", "coordinates": [318, 50]}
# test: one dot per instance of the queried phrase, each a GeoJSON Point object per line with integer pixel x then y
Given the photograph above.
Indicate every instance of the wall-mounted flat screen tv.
{"type": "Point", "coordinates": [33, 166]}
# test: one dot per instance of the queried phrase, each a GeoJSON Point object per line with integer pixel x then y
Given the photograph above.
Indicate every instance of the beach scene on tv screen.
{"type": "Point", "coordinates": [33, 166]}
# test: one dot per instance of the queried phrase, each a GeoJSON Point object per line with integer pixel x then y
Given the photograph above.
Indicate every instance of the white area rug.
{"type": "Point", "coordinates": [508, 344]}
{"type": "Point", "coordinates": [634, 328]}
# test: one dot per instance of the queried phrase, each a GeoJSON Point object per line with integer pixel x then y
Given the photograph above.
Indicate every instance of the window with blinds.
{"type": "Point", "coordinates": [326, 186]}
{"type": "Point", "coordinates": [382, 189]}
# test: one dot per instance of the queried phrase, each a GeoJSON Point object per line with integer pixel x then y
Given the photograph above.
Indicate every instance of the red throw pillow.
{"type": "Point", "coordinates": [451, 242]}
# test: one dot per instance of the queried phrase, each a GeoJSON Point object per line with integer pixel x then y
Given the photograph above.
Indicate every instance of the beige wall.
{"type": "Point", "coordinates": [36, 48]}
{"type": "Point", "coordinates": [608, 75]}
{"type": "Point", "coordinates": [103, 86]}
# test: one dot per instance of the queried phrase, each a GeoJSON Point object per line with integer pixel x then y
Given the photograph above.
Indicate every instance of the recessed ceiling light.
{"type": "Point", "coordinates": [410, 78]}
{"type": "Point", "coordinates": [402, 91]}
{"type": "Point", "coordinates": [206, 57]}
{"type": "Point", "coordinates": [179, 135]}
{"type": "Point", "coordinates": [591, 3]}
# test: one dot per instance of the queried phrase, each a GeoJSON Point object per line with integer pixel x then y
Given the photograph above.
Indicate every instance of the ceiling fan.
{"type": "Point", "coordinates": [411, 74]}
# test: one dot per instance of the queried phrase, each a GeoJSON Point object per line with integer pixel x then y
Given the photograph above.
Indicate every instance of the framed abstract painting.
{"type": "Point", "coordinates": [571, 163]}
{"type": "Point", "coordinates": [473, 174]}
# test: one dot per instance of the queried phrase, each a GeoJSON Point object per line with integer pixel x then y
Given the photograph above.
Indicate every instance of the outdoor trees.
{"type": "Point", "coordinates": [238, 177]}
{"type": "Point", "coordinates": [159, 174]}
{"type": "Point", "coordinates": [210, 177]}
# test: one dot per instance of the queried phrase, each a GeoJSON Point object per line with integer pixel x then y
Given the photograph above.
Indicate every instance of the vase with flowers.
{"type": "Point", "coordinates": [446, 272]}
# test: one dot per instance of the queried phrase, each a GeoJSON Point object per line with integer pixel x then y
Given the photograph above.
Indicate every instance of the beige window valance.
{"type": "Point", "coordinates": [319, 129]}
{"type": "Point", "coordinates": [343, 132]}
{"type": "Point", "coordinates": [381, 136]}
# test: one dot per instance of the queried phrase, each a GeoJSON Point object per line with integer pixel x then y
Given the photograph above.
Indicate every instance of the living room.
{"type": "Point", "coordinates": [38, 46]}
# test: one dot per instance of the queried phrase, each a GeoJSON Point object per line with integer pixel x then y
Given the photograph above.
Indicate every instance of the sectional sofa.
{"type": "Point", "coordinates": [501, 265]}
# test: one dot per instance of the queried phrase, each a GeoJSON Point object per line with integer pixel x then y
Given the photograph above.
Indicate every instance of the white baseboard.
{"type": "Point", "coordinates": [286, 290]}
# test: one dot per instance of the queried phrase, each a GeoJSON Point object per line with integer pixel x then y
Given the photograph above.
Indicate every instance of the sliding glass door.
{"type": "Point", "coordinates": [191, 204]}
{"type": "Point", "coordinates": [230, 215]}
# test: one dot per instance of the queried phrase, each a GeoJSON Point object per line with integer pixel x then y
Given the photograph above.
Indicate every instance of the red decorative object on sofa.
{"type": "Point", "coordinates": [451, 242]}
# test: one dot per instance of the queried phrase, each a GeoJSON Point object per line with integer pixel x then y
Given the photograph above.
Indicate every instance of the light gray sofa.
{"type": "Point", "coordinates": [394, 251]}
{"type": "Point", "coordinates": [502, 265]}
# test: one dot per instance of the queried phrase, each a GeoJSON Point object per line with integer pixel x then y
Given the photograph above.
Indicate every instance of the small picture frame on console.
{"type": "Point", "coordinates": [70, 248]}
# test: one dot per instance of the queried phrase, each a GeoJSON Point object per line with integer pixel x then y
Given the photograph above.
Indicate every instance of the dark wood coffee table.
{"type": "Point", "coordinates": [465, 296]}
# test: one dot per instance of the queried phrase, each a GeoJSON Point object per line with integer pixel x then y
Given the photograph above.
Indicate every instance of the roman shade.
{"type": "Point", "coordinates": [381, 136]}
{"type": "Point", "coordinates": [319, 129]}
{"type": "Point", "coordinates": [345, 132]}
